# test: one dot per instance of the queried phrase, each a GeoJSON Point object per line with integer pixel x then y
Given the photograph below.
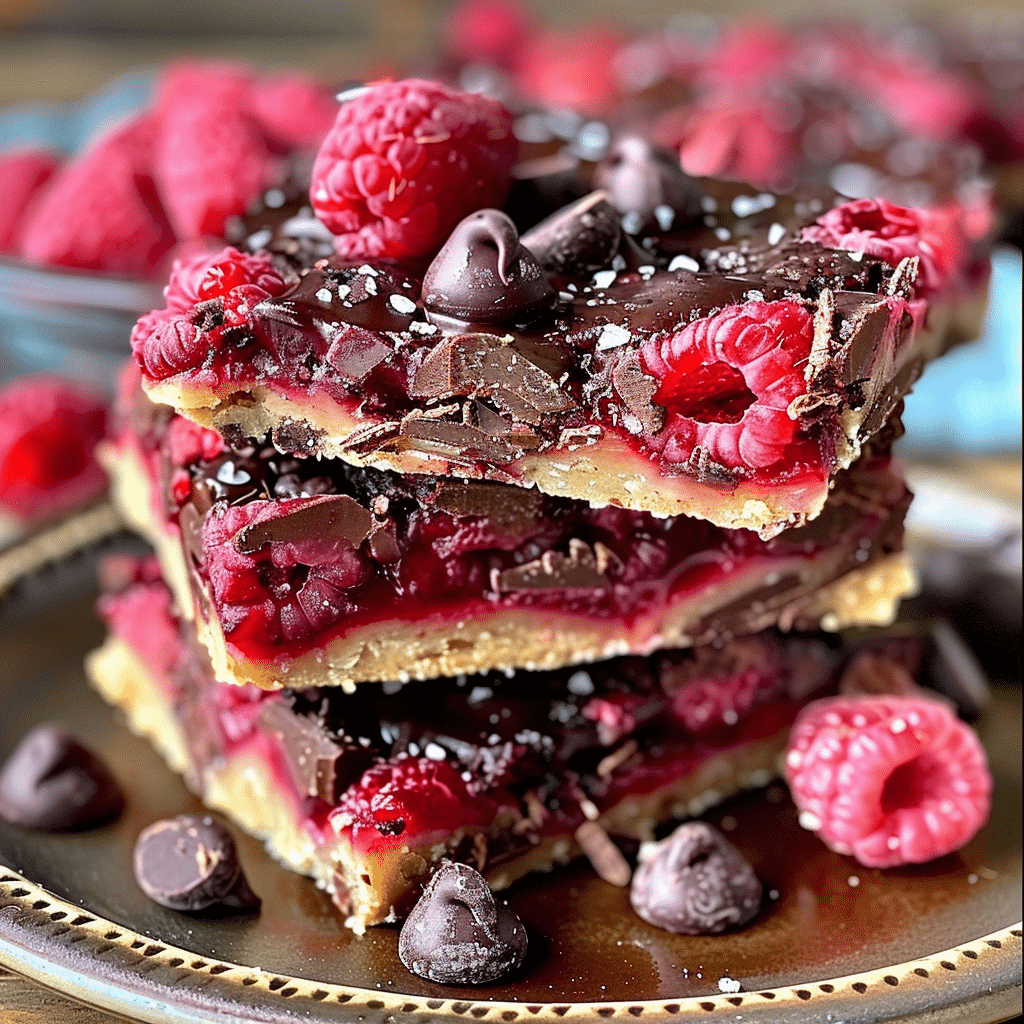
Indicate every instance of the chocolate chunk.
{"type": "Point", "coordinates": [329, 520]}
{"type": "Point", "coordinates": [190, 864]}
{"type": "Point", "coordinates": [875, 675]}
{"type": "Point", "coordinates": [482, 364]}
{"type": "Point", "coordinates": [355, 351]}
{"type": "Point", "coordinates": [578, 239]}
{"type": "Point", "coordinates": [484, 275]}
{"type": "Point", "coordinates": [585, 568]}
{"type": "Point", "coordinates": [53, 784]}
{"type": "Point", "coordinates": [511, 511]}
{"type": "Point", "coordinates": [695, 883]}
{"type": "Point", "coordinates": [458, 934]}
{"type": "Point", "coordinates": [647, 186]}
{"type": "Point", "coordinates": [637, 391]}
{"type": "Point", "coordinates": [457, 441]}
{"type": "Point", "coordinates": [321, 766]}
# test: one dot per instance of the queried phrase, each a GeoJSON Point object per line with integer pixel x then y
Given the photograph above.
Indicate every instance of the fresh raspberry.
{"type": "Point", "coordinates": [486, 31]}
{"type": "Point", "coordinates": [207, 295]}
{"type": "Point", "coordinates": [211, 157]}
{"type": "Point", "coordinates": [22, 176]}
{"type": "Point", "coordinates": [48, 430]}
{"type": "Point", "coordinates": [893, 233]}
{"type": "Point", "coordinates": [295, 112]}
{"type": "Point", "coordinates": [573, 69]}
{"type": "Point", "coordinates": [889, 780]}
{"type": "Point", "coordinates": [727, 381]}
{"type": "Point", "coordinates": [711, 693]}
{"type": "Point", "coordinates": [726, 136]}
{"type": "Point", "coordinates": [405, 162]}
{"type": "Point", "coordinates": [749, 53]}
{"type": "Point", "coordinates": [187, 442]}
{"type": "Point", "coordinates": [101, 211]}
{"type": "Point", "coordinates": [286, 591]}
{"type": "Point", "coordinates": [402, 798]}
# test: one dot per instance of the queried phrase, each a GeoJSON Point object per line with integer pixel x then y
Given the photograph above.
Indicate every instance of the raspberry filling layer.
{"type": "Point", "coordinates": [395, 767]}
{"type": "Point", "coordinates": [294, 552]}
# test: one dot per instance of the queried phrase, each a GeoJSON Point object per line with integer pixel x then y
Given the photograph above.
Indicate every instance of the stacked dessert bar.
{"type": "Point", "coordinates": [500, 542]}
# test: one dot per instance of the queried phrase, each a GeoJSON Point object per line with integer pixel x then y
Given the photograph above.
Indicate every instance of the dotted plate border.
{"type": "Point", "coordinates": [114, 968]}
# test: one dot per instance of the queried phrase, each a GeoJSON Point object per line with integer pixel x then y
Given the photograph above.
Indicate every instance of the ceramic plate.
{"type": "Point", "coordinates": [837, 942]}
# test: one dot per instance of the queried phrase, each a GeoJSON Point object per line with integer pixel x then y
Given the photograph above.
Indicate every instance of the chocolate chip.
{"type": "Point", "coordinates": [190, 864]}
{"type": "Point", "coordinates": [577, 239]}
{"type": "Point", "coordinates": [647, 186]}
{"type": "Point", "coordinates": [458, 934]}
{"type": "Point", "coordinates": [484, 275]}
{"type": "Point", "coordinates": [695, 883]}
{"type": "Point", "coordinates": [54, 784]}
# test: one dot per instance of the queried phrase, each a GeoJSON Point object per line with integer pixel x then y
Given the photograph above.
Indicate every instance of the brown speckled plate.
{"type": "Point", "coordinates": [840, 942]}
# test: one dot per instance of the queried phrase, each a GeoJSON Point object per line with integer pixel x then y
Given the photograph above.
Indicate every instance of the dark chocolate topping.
{"type": "Point", "coordinates": [458, 934]}
{"type": "Point", "coordinates": [484, 275]}
{"type": "Point", "coordinates": [695, 882]}
{"type": "Point", "coordinates": [578, 239]}
{"type": "Point", "coordinates": [647, 186]}
{"type": "Point", "coordinates": [52, 783]}
{"type": "Point", "coordinates": [190, 864]}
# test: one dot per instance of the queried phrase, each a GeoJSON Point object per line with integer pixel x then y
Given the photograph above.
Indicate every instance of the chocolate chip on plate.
{"type": "Point", "coordinates": [694, 882]}
{"type": "Point", "coordinates": [54, 784]}
{"type": "Point", "coordinates": [190, 864]}
{"type": "Point", "coordinates": [458, 934]}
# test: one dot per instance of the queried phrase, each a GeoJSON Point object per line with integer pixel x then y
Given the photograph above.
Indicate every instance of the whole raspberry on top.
{"type": "Point", "coordinates": [890, 780]}
{"type": "Point", "coordinates": [727, 382]}
{"type": "Point", "coordinates": [405, 162]}
{"type": "Point", "coordinates": [892, 233]}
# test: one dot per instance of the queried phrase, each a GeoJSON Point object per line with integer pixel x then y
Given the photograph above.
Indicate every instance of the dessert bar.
{"type": "Point", "coordinates": [727, 373]}
{"type": "Point", "coordinates": [311, 572]}
{"type": "Point", "coordinates": [512, 773]}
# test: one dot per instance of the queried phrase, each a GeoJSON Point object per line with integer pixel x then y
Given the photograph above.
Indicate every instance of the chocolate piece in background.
{"type": "Point", "coordinates": [190, 864]}
{"type": "Point", "coordinates": [52, 783]}
{"type": "Point", "coordinates": [484, 275]}
{"type": "Point", "coordinates": [577, 239]}
{"type": "Point", "coordinates": [647, 186]}
{"type": "Point", "coordinates": [458, 933]}
{"type": "Point", "coordinates": [695, 882]}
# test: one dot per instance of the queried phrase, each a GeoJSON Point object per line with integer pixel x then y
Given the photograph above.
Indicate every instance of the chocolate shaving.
{"type": "Point", "coordinates": [512, 511]}
{"type": "Point", "coordinates": [581, 570]}
{"type": "Point", "coordinates": [457, 441]}
{"type": "Point", "coordinates": [384, 544]}
{"type": "Point", "coordinates": [616, 759]}
{"type": "Point", "coordinates": [335, 517]}
{"type": "Point", "coordinates": [482, 364]}
{"type": "Point", "coordinates": [604, 856]}
{"type": "Point", "coordinates": [637, 391]}
{"type": "Point", "coordinates": [902, 281]}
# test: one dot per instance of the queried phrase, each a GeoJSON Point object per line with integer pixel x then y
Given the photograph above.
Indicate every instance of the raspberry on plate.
{"type": "Point", "coordinates": [405, 162]}
{"type": "Point", "coordinates": [889, 780]}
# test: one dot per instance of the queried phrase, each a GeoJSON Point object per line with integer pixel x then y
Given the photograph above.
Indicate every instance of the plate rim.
{"type": "Point", "coordinates": [147, 983]}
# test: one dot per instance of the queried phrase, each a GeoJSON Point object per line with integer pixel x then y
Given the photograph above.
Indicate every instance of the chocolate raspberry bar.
{"type": "Point", "coordinates": [661, 344]}
{"type": "Point", "coordinates": [512, 773]}
{"type": "Point", "coordinates": [312, 572]}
